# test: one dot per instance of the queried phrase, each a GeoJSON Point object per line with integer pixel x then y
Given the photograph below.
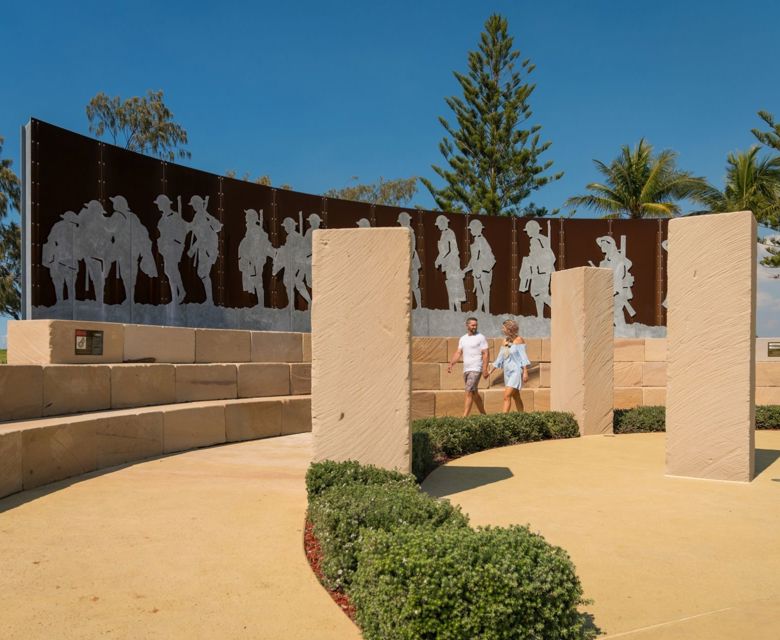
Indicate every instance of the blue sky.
{"type": "Point", "coordinates": [314, 93]}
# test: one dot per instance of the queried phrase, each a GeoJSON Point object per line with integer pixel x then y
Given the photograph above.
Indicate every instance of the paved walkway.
{"type": "Point", "coordinates": [208, 544]}
{"type": "Point", "coordinates": [662, 558]}
{"type": "Point", "coordinates": [205, 544]}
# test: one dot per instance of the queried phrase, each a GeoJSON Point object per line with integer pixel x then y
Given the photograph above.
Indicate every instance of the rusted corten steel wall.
{"type": "Point", "coordinates": [67, 170]}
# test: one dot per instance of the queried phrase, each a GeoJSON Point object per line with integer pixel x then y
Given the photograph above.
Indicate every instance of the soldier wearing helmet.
{"type": "Point", "coordinates": [448, 261]}
{"type": "Point", "coordinates": [173, 230]}
{"type": "Point", "coordinates": [615, 259]}
{"type": "Point", "coordinates": [314, 223]}
{"type": "Point", "coordinates": [58, 256]}
{"type": "Point", "coordinates": [537, 267]}
{"type": "Point", "coordinates": [253, 252]}
{"type": "Point", "coordinates": [130, 246]}
{"type": "Point", "coordinates": [481, 266]}
{"type": "Point", "coordinates": [93, 245]}
{"type": "Point", "coordinates": [205, 242]}
{"type": "Point", "coordinates": [405, 220]}
{"type": "Point", "coordinates": [291, 258]}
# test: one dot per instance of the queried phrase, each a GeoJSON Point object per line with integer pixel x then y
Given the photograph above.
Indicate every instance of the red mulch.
{"type": "Point", "coordinates": [314, 556]}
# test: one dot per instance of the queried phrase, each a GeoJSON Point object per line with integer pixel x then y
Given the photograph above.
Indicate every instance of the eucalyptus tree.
{"type": "Point", "coordinates": [143, 124]}
{"type": "Point", "coordinates": [10, 241]}
{"type": "Point", "coordinates": [640, 184]}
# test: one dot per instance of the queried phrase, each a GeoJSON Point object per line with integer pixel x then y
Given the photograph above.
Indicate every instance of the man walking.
{"type": "Point", "coordinates": [474, 348]}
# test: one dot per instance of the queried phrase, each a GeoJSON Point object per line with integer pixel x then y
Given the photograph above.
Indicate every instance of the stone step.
{"type": "Point", "coordinates": [37, 452]}
{"type": "Point", "coordinates": [33, 391]}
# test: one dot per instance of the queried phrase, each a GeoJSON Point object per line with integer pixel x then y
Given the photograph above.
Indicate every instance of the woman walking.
{"type": "Point", "coordinates": [513, 359]}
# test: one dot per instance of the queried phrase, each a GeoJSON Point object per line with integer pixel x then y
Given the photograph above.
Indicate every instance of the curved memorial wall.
{"type": "Point", "coordinates": [116, 236]}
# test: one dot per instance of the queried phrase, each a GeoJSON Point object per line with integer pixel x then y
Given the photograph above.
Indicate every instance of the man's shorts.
{"type": "Point", "coordinates": [471, 380]}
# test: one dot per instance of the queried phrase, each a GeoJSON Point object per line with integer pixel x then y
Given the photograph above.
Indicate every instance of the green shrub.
{"type": "Point", "coordinates": [341, 515]}
{"type": "Point", "coordinates": [459, 583]}
{"type": "Point", "coordinates": [768, 416]}
{"type": "Point", "coordinates": [559, 424]}
{"type": "Point", "coordinates": [453, 437]}
{"type": "Point", "coordinates": [324, 475]}
{"type": "Point", "coordinates": [639, 420]}
{"type": "Point", "coordinates": [422, 454]}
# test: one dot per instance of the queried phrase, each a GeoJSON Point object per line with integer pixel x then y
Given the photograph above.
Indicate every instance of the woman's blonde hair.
{"type": "Point", "coordinates": [512, 329]}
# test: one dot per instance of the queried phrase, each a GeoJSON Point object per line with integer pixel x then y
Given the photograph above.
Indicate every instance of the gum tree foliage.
{"type": "Point", "coordinates": [492, 151]}
{"type": "Point", "coordinates": [640, 184]}
{"type": "Point", "coordinates": [10, 241]}
{"type": "Point", "coordinates": [264, 180]}
{"type": "Point", "coordinates": [142, 124]}
{"type": "Point", "coordinates": [394, 193]}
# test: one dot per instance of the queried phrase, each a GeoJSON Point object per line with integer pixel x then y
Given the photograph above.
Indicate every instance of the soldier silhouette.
{"type": "Point", "coordinates": [58, 256]}
{"type": "Point", "coordinates": [291, 258]}
{"type": "Point", "coordinates": [537, 267]}
{"type": "Point", "coordinates": [204, 247]}
{"type": "Point", "coordinates": [129, 244]}
{"type": "Point", "coordinates": [253, 252]}
{"type": "Point", "coordinates": [481, 266]}
{"type": "Point", "coordinates": [173, 230]}
{"type": "Point", "coordinates": [314, 223]}
{"type": "Point", "coordinates": [93, 245]}
{"type": "Point", "coordinates": [665, 247]}
{"type": "Point", "coordinates": [448, 261]}
{"type": "Point", "coordinates": [615, 259]}
{"type": "Point", "coordinates": [405, 220]}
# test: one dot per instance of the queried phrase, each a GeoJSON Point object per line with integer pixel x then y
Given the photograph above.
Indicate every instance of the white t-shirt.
{"type": "Point", "coordinates": [472, 348]}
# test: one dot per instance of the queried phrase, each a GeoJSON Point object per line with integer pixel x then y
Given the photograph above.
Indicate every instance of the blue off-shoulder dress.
{"type": "Point", "coordinates": [512, 360]}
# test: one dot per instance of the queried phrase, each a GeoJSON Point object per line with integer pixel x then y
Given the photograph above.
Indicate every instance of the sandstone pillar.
{"type": "Point", "coordinates": [361, 346]}
{"type": "Point", "coordinates": [711, 347]}
{"type": "Point", "coordinates": [581, 368]}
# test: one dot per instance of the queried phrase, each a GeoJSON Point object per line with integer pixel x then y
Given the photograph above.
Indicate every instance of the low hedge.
{"type": "Point", "coordinates": [647, 419]}
{"type": "Point", "coordinates": [639, 420]}
{"type": "Point", "coordinates": [341, 515]}
{"type": "Point", "coordinates": [326, 474]}
{"type": "Point", "coordinates": [454, 583]}
{"type": "Point", "coordinates": [768, 416]}
{"type": "Point", "coordinates": [437, 439]}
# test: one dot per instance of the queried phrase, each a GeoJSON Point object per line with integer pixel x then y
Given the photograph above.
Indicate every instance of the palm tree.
{"type": "Point", "coordinates": [752, 183]}
{"type": "Point", "coordinates": [639, 184]}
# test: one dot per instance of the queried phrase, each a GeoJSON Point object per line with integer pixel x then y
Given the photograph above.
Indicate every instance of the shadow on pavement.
{"type": "Point", "coordinates": [451, 479]}
{"type": "Point", "coordinates": [764, 459]}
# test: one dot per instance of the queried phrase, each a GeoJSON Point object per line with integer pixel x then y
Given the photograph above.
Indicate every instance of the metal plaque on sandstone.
{"type": "Point", "coordinates": [89, 343]}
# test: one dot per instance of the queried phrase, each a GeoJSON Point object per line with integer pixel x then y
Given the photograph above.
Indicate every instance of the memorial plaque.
{"type": "Point", "coordinates": [89, 343]}
{"type": "Point", "coordinates": [773, 349]}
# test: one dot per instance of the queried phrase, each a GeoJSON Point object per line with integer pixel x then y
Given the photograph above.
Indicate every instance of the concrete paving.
{"type": "Point", "coordinates": [208, 543]}
{"type": "Point", "coordinates": [662, 558]}
{"type": "Point", "coordinates": [204, 544]}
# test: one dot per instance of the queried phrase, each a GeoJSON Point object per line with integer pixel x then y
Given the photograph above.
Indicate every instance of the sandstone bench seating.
{"type": "Point", "coordinates": [33, 391]}
{"type": "Point", "coordinates": [37, 452]}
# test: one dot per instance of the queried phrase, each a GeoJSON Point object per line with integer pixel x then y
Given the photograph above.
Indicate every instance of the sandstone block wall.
{"type": "Point", "coordinates": [53, 342]}
{"type": "Point", "coordinates": [361, 346]}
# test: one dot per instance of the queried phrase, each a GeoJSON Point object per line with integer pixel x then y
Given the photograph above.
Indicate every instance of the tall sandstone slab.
{"type": "Point", "coordinates": [711, 332]}
{"type": "Point", "coordinates": [361, 346]}
{"type": "Point", "coordinates": [582, 367]}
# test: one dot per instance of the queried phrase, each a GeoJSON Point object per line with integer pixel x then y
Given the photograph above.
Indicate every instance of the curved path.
{"type": "Point", "coordinates": [204, 544]}
{"type": "Point", "coordinates": [662, 558]}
